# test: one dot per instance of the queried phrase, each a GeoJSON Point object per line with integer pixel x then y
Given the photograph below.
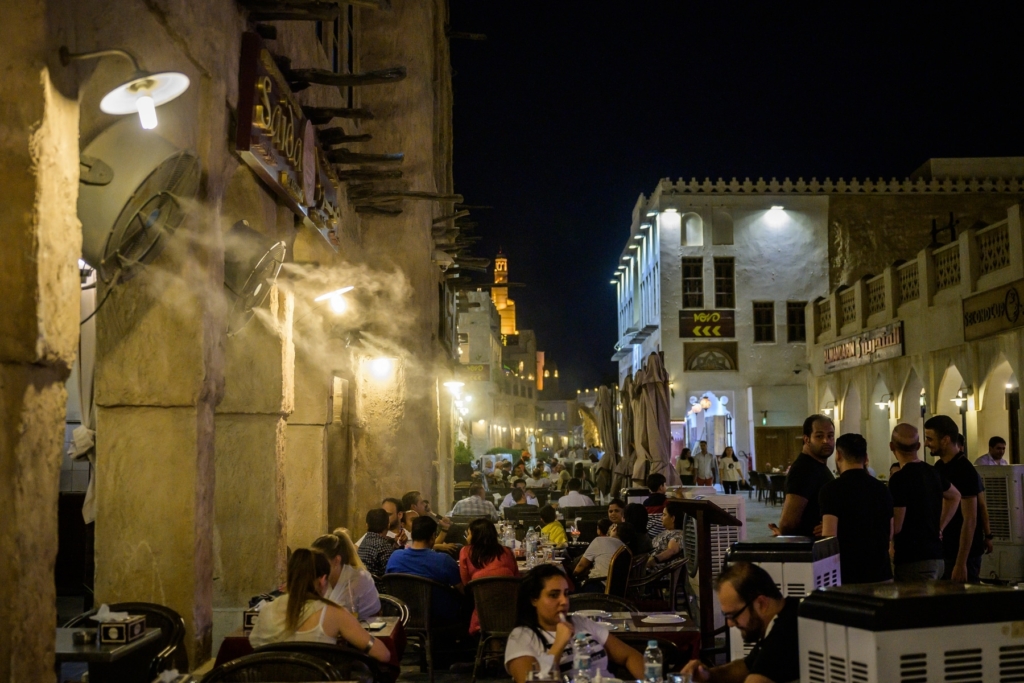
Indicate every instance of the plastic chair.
{"type": "Point", "coordinates": [274, 666]}
{"type": "Point", "coordinates": [352, 665]}
{"type": "Point", "coordinates": [171, 654]}
{"type": "Point", "coordinates": [494, 597]}
{"type": "Point", "coordinates": [418, 594]}
{"type": "Point", "coordinates": [606, 603]}
{"type": "Point", "coordinates": [390, 606]}
{"type": "Point", "coordinates": [618, 572]}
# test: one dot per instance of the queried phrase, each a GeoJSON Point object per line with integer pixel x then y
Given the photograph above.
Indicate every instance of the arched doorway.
{"type": "Point", "coordinates": [879, 427]}
{"type": "Point", "coordinates": [850, 419]}
{"type": "Point", "coordinates": [1000, 401]}
{"type": "Point", "coordinates": [946, 404]}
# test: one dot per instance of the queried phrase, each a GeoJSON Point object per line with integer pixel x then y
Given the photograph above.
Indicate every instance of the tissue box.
{"type": "Point", "coordinates": [249, 620]}
{"type": "Point", "coordinates": [120, 632]}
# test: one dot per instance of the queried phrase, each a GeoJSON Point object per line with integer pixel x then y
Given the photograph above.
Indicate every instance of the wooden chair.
{"type": "Point", "coordinates": [390, 606]}
{"type": "Point", "coordinates": [274, 666]}
{"type": "Point", "coordinates": [618, 572]}
{"type": "Point", "coordinates": [495, 598]}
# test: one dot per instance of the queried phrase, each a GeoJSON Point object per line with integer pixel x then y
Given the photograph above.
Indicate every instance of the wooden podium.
{"type": "Point", "coordinates": [706, 513]}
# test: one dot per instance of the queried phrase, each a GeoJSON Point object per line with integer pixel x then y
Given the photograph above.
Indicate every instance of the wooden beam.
{"type": "Point", "coordinates": [379, 210]}
{"type": "Point", "coordinates": [343, 156]}
{"type": "Point", "coordinates": [431, 196]}
{"type": "Point", "coordinates": [277, 10]}
{"type": "Point", "coordinates": [445, 219]}
{"type": "Point", "coordinates": [325, 77]}
{"type": "Point", "coordinates": [322, 115]}
{"type": "Point", "coordinates": [368, 174]}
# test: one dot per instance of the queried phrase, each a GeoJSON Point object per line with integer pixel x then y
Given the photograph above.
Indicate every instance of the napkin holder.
{"type": "Point", "coordinates": [249, 620]}
{"type": "Point", "coordinates": [122, 631]}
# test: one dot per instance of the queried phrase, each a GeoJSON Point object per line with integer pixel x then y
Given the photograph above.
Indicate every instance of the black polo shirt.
{"type": "Point", "coordinates": [777, 655]}
{"type": "Point", "coordinates": [918, 487]}
{"type": "Point", "coordinates": [864, 508]}
{"type": "Point", "coordinates": [961, 473]}
{"type": "Point", "coordinates": [805, 479]}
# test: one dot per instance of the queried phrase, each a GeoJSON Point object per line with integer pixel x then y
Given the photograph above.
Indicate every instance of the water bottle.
{"type": "Point", "coordinates": [652, 663]}
{"type": "Point", "coordinates": [581, 658]}
{"type": "Point", "coordinates": [531, 548]}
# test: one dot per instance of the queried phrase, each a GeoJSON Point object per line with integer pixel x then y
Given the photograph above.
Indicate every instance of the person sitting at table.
{"type": "Point", "coordinates": [376, 547]}
{"type": "Point", "coordinates": [475, 505]}
{"type": "Point", "coordinates": [636, 515]}
{"type": "Point", "coordinates": [545, 632]}
{"type": "Point", "coordinates": [598, 554]}
{"type": "Point", "coordinates": [615, 510]}
{"type": "Point", "coordinates": [580, 472]}
{"type": "Point", "coordinates": [484, 556]}
{"type": "Point", "coordinates": [752, 603]}
{"type": "Point", "coordinates": [669, 543]}
{"type": "Point", "coordinates": [351, 586]}
{"type": "Point", "coordinates": [539, 479]}
{"type": "Point", "coordinates": [518, 484]}
{"type": "Point", "coordinates": [303, 614]}
{"type": "Point", "coordinates": [519, 501]}
{"type": "Point", "coordinates": [573, 498]}
{"type": "Point", "coordinates": [552, 529]}
{"type": "Point", "coordinates": [655, 503]}
{"type": "Point", "coordinates": [420, 559]}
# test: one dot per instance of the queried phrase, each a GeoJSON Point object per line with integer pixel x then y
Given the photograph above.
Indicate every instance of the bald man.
{"type": "Point", "coordinates": [923, 504]}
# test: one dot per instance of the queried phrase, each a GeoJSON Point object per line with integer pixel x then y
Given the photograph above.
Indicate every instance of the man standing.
{"type": "Point", "coordinates": [801, 510]}
{"type": "Point", "coordinates": [962, 540]}
{"type": "Point", "coordinates": [752, 603]}
{"type": "Point", "coordinates": [857, 508]}
{"type": "Point", "coordinates": [475, 505]}
{"type": "Point", "coordinates": [705, 466]}
{"type": "Point", "coordinates": [996, 451]}
{"type": "Point", "coordinates": [923, 504]}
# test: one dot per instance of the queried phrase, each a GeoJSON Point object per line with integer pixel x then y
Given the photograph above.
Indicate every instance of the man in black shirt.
{"type": "Point", "coordinates": [801, 513]}
{"type": "Point", "coordinates": [962, 540]}
{"type": "Point", "coordinates": [923, 504]}
{"type": "Point", "coordinates": [752, 603]}
{"type": "Point", "coordinates": [857, 508]}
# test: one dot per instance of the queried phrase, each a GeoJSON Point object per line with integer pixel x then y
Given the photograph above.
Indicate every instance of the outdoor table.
{"type": "Point", "coordinates": [685, 636]}
{"type": "Point", "coordinates": [106, 662]}
{"type": "Point", "coordinates": [392, 635]}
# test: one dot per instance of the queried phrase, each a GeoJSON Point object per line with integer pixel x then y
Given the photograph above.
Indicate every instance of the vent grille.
{"type": "Point", "coordinates": [1011, 664]}
{"type": "Point", "coordinates": [836, 669]}
{"type": "Point", "coordinates": [963, 666]}
{"type": "Point", "coordinates": [815, 667]}
{"type": "Point", "coordinates": [914, 668]}
{"type": "Point", "coordinates": [795, 590]}
{"type": "Point", "coordinates": [826, 579]}
{"type": "Point", "coordinates": [998, 507]}
{"type": "Point", "coordinates": [858, 672]}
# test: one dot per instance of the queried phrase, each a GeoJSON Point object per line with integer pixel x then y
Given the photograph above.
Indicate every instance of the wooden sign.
{"type": "Point", "coordinates": [280, 144]}
{"type": "Point", "coordinates": [994, 311]}
{"type": "Point", "coordinates": [710, 324]}
{"type": "Point", "coordinates": [874, 345]}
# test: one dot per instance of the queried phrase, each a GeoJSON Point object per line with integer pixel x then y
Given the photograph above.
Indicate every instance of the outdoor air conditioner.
{"type": "Point", "coordinates": [252, 262]}
{"type": "Point", "coordinates": [131, 185]}
{"type": "Point", "coordinates": [927, 632]}
{"type": "Point", "coordinates": [722, 538]}
{"type": "Point", "coordinates": [1004, 486]}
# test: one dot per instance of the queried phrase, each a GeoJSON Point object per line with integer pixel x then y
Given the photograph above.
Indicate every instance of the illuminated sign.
{"type": "Point", "coordinates": [994, 311]}
{"type": "Point", "coordinates": [874, 345]}
{"type": "Point", "coordinates": [700, 324]}
{"type": "Point", "coordinates": [474, 372]}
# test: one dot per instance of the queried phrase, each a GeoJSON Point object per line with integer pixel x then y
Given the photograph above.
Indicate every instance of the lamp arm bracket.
{"type": "Point", "coordinates": [66, 56]}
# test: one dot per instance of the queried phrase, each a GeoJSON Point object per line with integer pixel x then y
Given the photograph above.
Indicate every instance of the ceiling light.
{"type": "Point", "coordinates": [627, 258]}
{"type": "Point", "coordinates": [141, 94]}
{"type": "Point", "coordinates": [615, 282]}
{"type": "Point", "coordinates": [645, 226]}
{"type": "Point", "coordinates": [778, 207]}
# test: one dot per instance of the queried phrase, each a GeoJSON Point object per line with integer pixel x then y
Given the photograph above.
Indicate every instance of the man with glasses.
{"type": "Point", "coordinates": [752, 603]}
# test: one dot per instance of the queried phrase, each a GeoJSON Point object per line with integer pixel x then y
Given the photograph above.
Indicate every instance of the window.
{"type": "Point", "coordinates": [721, 228]}
{"type": "Point", "coordinates": [725, 283]}
{"type": "Point", "coordinates": [796, 329]}
{"type": "Point", "coordinates": [693, 283]}
{"type": "Point", "coordinates": [764, 321]}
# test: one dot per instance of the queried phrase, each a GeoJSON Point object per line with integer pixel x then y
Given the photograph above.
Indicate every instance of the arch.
{"type": "Point", "coordinates": [1000, 373]}
{"type": "Point", "coordinates": [950, 384]}
{"type": "Point", "coordinates": [691, 232]}
{"type": "Point", "coordinates": [993, 416]}
{"type": "Point", "coordinates": [850, 416]}
{"type": "Point", "coordinates": [911, 404]}
{"type": "Point", "coordinates": [721, 227]}
{"type": "Point", "coordinates": [879, 425]}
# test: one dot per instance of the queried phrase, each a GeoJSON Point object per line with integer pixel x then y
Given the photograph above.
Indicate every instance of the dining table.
{"type": "Point", "coordinates": [631, 627]}
{"type": "Point", "coordinates": [108, 661]}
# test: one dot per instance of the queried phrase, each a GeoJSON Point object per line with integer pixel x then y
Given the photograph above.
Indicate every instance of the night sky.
{"type": "Point", "coordinates": [570, 110]}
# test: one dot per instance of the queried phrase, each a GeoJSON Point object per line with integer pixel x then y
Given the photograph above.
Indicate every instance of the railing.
{"type": "Point", "coordinates": [993, 248]}
{"type": "Point", "coordinates": [876, 295]}
{"type": "Point", "coordinates": [909, 285]}
{"type": "Point", "coordinates": [947, 266]}
{"type": "Point", "coordinates": [824, 317]}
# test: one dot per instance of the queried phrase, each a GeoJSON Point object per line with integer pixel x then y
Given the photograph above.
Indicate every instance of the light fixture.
{"type": "Point", "coordinates": [141, 94]}
{"type": "Point", "coordinates": [336, 298]}
{"type": "Point", "coordinates": [454, 387]}
{"type": "Point", "coordinates": [884, 402]}
{"type": "Point", "coordinates": [622, 267]}
{"type": "Point", "coordinates": [613, 282]}
{"type": "Point", "coordinates": [1009, 385]}
{"type": "Point", "coordinates": [961, 398]}
{"type": "Point", "coordinates": [652, 213]}
{"type": "Point", "coordinates": [778, 207]}
{"type": "Point", "coordinates": [671, 210]}
{"type": "Point", "coordinates": [764, 418]}
{"type": "Point", "coordinates": [627, 258]}
{"type": "Point", "coordinates": [638, 237]}
{"type": "Point", "coordinates": [830, 406]}
{"type": "Point", "coordinates": [634, 246]}
{"type": "Point", "coordinates": [381, 368]}
{"type": "Point", "coordinates": [645, 226]}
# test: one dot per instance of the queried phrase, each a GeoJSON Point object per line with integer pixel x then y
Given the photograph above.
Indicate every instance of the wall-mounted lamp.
{"type": "Point", "coordinates": [634, 246]}
{"type": "Point", "coordinates": [961, 398]}
{"type": "Point", "coordinates": [613, 282]}
{"type": "Point", "coordinates": [829, 408]}
{"type": "Point", "coordinates": [671, 210]}
{"type": "Point", "coordinates": [778, 207]}
{"type": "Point", "coordinates": [336, 299]}
{"type": "Point", "coordinates": [645, 226]}
{"type": "Point", "coordinates": [638, 237]}
{"type": "Point", "coordinates": [885, 402]}
{"type": "Point", "coordinates": [381, 368]}
{"type": "Point", "coordinates": [454, 387]}
{"type": "Point", "coordinates": [141, 94]}
{"type": "Point", "coordinates": [652, 213]}
{"type": "Point", "coordinates": [764, 418]}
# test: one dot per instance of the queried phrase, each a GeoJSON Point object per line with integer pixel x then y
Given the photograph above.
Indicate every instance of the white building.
{"type": "Point", "coordinates": [719, 283]}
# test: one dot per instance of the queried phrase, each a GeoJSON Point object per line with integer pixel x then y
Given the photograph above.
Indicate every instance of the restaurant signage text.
{"type": "Point", "coordinates": [474, 372]}
{"type": "Point", "coordinates": [994, 311]}
{"type": "Point", "coordinates": [874, 345]}
{"type": "Point", "coordinates": [701, 324]}
{"type": "Point", "coordinates": [280, 144]}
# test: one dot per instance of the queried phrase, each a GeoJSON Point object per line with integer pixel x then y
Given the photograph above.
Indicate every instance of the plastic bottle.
{"type": "Point", "coordinates": [531, 548]}
{"type": "Point", "coordinates": [653, 663]}
{"type": "Point", "coordinates": [581, 658]}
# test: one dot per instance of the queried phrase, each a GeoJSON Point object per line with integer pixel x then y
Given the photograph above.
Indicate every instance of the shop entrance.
{"type": "Point", "coordinates": [777, 446]}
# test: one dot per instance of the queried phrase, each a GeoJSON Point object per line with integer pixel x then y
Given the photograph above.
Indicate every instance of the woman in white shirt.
{"type": "Point", "coordinates": [351, 586]}
{"type": "Point", "coordinates": [730, 470]}
{"type": "Point", "coordinates": [303, 614]}
{"type": "Point", "coordinates": [544, 636]}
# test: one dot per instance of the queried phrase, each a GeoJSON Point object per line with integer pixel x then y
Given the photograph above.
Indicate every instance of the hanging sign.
{"type": "Point", "coordinates": [994, 311]}
{"type": "Point", "coordinates": [874, 345]}
{"type": "Point", "coordinates": [711, 324]}
{"type": "Point", "coordinates": [280, 144]}
{"type": "Point", "coordinates": [474, 372]}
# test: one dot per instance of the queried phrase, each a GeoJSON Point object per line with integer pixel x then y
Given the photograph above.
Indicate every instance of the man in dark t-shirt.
{"type": "Point", "coordinates": [801, 512]}
{"type": "Point", "coordinates": [752, 603]}
{"type": "Point", "coordinates": [857, 508]}
{"type": "Point", "coordinates": [923, 504]}
{"type": "Point", "coordinates": [963, 541]}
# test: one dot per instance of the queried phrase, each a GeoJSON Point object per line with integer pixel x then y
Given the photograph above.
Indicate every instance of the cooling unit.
{"type": "Point", "coordinates": [1003, 493]}
{"type": "Point", "coordinates": [132, 182]}
{"type": "Point", "coordinates": [912, 633]}
{"type": "Point", "coordinates": [251, 264]}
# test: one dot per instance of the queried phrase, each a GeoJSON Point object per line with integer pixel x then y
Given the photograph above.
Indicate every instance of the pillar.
{"type": "Point", "coordinates": [305, 462]}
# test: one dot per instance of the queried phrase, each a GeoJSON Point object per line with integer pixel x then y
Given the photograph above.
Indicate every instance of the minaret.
{"type": "Point", "coordinates": [499, 295]}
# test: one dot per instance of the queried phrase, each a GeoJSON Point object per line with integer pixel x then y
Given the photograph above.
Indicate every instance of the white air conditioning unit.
{"type": "Point", "coordinates": [912, 633]}
{"type": "Point", "coordinates": [722, 538]}
{"type": "Point", "coordinates": [1004, 493]}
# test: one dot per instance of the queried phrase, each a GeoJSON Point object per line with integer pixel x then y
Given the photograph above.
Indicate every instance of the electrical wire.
{"type": "Point", "coordinates": [106, 295]}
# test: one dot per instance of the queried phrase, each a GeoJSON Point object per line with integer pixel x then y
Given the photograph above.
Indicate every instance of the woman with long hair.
{"type": "Point", "coordinates": [350, 585]}
{"type": "Point", "coordinates": [684, 467]}
{"type": "Point", "coordinates": [544, 635]}
{"type": "Point", "coordinates": [303, 614]}
{"type": "Point", "coordinates": [669, 543]}
{"type": "Point", "coordinates": [730, 470]}
{"type": "Point", "coordinates": [483, 556]}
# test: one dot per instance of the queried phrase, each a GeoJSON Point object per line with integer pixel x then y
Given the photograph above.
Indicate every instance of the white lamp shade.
{"type": "Point", "coordinates": [162, 87]}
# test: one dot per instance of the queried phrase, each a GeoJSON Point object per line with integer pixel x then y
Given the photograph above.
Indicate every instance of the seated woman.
{"type": "Point", "coordinates": [598, 555]}
{"type": "Point", "coordinates": [303, 614]}
{"type": "Point", "coordinates": [552, 529]}
{"type": "Point", "coordinates": [484, 556]}
{"type": "Point", "coordinates": [350, 585]}
{"type": "Point", "coordinates": [544, 635]}
{"type": "Point", "coordinates": [669, 543]}
{"type": "Point", "coordinates": [636, 514]}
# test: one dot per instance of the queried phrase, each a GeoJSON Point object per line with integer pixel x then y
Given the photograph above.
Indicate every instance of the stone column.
{"type": "Point", "coordinates": [305, 463]}
{"type": "Point", "coordinates": [40, 242]}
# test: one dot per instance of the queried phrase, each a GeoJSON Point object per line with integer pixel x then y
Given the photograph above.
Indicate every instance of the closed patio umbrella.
{"type": "Point", "coordinates": [641, 461]}
{"type": "Point", "coordinates": [605, 409]}
{"type": "Point", "coordinates": [656, 438]}
{"type": "Point", "coordinates": [624, 467]}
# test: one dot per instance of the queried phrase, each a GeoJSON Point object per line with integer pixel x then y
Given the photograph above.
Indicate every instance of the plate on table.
{"type": "Point", "coordinates": [663, 619]}
{"type": "Point", "coordinates": [593, 613]}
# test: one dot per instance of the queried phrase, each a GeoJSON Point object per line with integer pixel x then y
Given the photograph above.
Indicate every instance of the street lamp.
{"type": "Point", "coordinates": [885, 403]}
{"type": "Point", "coordinates": [829, 408]}
{"type": "Point", "coordinates": [961, 399]}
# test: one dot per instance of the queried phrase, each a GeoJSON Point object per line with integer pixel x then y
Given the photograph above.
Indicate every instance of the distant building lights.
{"type": "Point", "coordinates": [634, 246]}
{"type": "Point", "coordinates": [645, 226]}
{"type": "Point", "coordinates": [638, 237]}
{"type": "Point", "coordinates": [652, 213]}
{"type": "Point", "coordinates": [671, 210]}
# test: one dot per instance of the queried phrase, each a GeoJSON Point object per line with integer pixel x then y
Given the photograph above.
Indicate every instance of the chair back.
{"type": "Point", "coordinates": [587, 529]}
{"type": "Point", "coordinates": [618, 572]}
{"type": "Point", "coordinates": [274, 666]}
{"type": "Point", "coordinates": [390, 606]}
{"type": "Point", "coordinates": [589, 513]}
{"type": "Point", "coordinates": [638, 568]}
{"type": "Point", "coordinates": [172, 653]}
{"type": "Point", "coordinates": [464, 520]}
{"type": "Point", "coordinates": [601, 601]}
{"type": "Point", "coordinates": [529, 514]}
{"type": "Point", "coordinates": [417, 593]}
{"type": "Point", "coordinates": [541, 494]}
{"type": "Point", "coordinates": [352, 665]}
{"type": "Point", "coordinates": [495, 599]}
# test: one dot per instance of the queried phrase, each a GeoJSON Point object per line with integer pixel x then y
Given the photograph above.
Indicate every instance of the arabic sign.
{"type": "Point", "coordinates": [700, 324]}
{"type": "Point", "coordinates": [994, 311]}
{"type": "Point", "coordinates": [474, 372]}
{"type": "Point", "coordinates": [874, 345]}
{"type": "Point", "coordinates": [280, 144]}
